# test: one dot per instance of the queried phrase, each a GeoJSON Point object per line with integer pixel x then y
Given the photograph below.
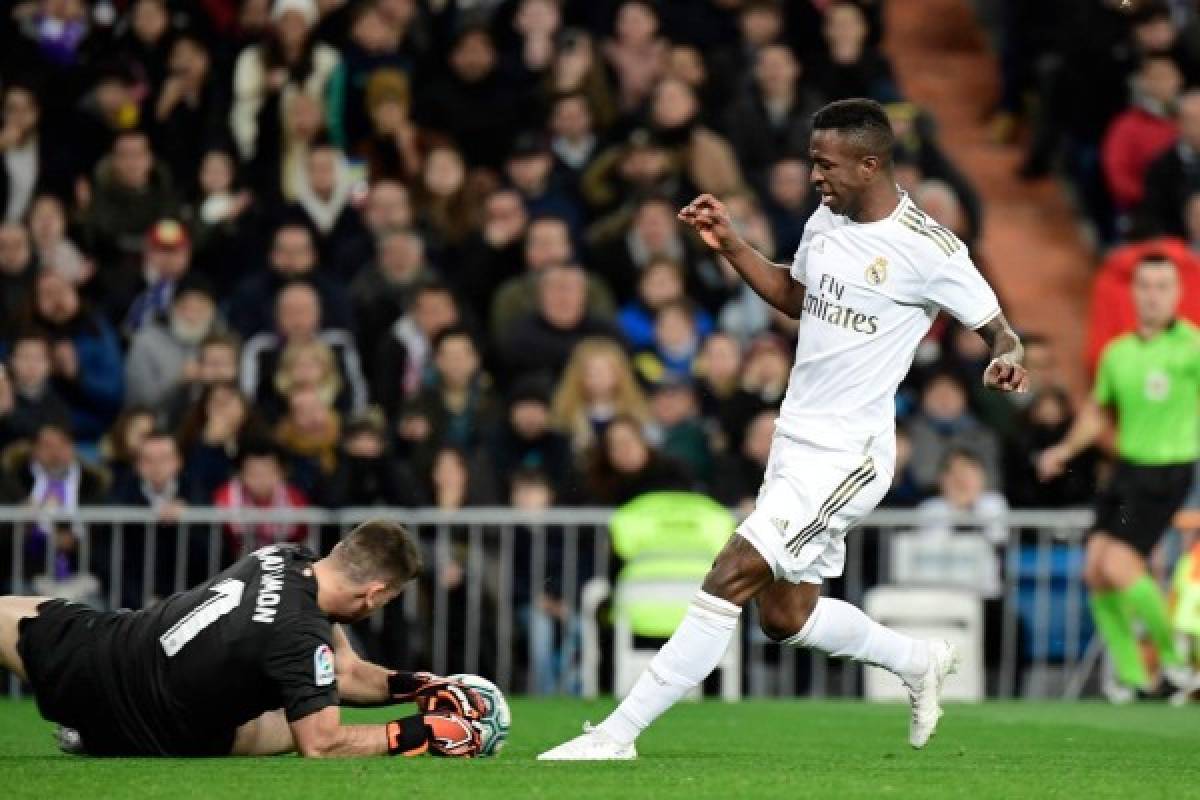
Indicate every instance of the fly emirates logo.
{"type": "Point", "coordinates": [827, 305]}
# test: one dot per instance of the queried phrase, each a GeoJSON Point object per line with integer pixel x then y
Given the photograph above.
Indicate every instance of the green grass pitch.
{"type": "Point", "coordinates": [755, 749]}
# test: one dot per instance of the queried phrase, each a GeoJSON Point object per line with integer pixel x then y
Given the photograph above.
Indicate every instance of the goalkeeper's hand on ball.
{"type": "Point", "coordinates": [438, 734]}
{"type": "Point", "coordinates": [433, 693]}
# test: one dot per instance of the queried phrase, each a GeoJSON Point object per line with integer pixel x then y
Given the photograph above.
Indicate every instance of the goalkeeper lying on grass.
{"type": "Point", "coordinates": [250, 663]}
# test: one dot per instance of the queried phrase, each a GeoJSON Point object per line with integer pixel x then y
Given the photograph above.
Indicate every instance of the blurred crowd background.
{"type": "Point", "coordinates": [284, 253]}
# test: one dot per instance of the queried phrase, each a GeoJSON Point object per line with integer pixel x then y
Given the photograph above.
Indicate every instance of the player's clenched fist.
{"type": "Point", "coordinates": [709, 218]}
{"type": "Point", "coordinates": [434, 693]}
{"type": "Point", "coordinates": [1006, 375]}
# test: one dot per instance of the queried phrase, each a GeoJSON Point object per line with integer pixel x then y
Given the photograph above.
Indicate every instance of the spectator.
{"type": "Point", "coordinates": [579, 67]}
{"type": "Point", "coordinates": [216, 361]}
{"type": "Point", "coordinates": [1174, 175]}
{"type": "Point", "coordinates": [787, 201]}
{"type": "Point", "coordinates": [373, 60]}
{"type": "Point", "coordinates": [447, 206]}
{"type": "Point", "coordinates": [1043, 424]}
{"type": "Point", "coordinates": [717, 369]}
{"type": "Point", "coordinates": [53, 248]}
{"type": "Point", "coordinates": [622, 466]}
{"type": "Point", "coordinates": [27, 397]}
{"type": "Point", "coordinates": [472, 102]}
{"type": "Point", "coordinates": [402, 360]}
{"type": "Point", "coordinates": [323, 195]}
{"type": "Point", "coordinates": [547, 244]}
{"type": "Point", "coordinates": [457, 408]}
{"type": "Point", "coordinates": [29, 162]}
{"type": "Point", "coordinates": [903, 493]}
{"type": "Point", "coordinates": [168, 254]}
{"type": "Point", "coordinates": [301, 351]}
{"type": "Point", "coordinates": [212, 433]}
{"type": "Point", "coordinates": [494, 253]}
{"type": "Point", "coordinates": [640, 166]}
{"type": "Point", "coordinates": [597, 386]}
{"type": "Point", "coordinates": [163, 353]}
{"type": "Point", "coordinates": [763, 381]}
{"type": "Point", "coordinates": [223, 220]}
{"type": "Point", "coordinates": [132, 191]}
{"type": "Point", "coordinates": [259, 485]}
{"type": "Point", "coordinates": [573, 136]}
{"type": "Point", "coordinates": [293, 256]}
{"type": "Point", "coordinates": [851, 67]}
{"type": "Point", "coordinates": [636, 52]}
{"type": "Point", "coordinates": [454, 483]}
{"type": "Point", "coordinates": [120, 445]}
{"type": "Point", "coordinates": [18, 269]}
{"type": "Point", "coordinates": [676, 344]}
{"type": "Point", "coordinates": [388, 207]}
{"type": "Point", "coordinates": [51, 477]}
{"type": "Point", "coordinates": [660, 284]}
{"type": "Point", "coordinates": [86, 356]}
{"type": "Point", "coordinates": [367, 472]}
{"type": "Point", "coordinates": [678, 427]}
{"type": "Point", "coordinates": [772, 119]}
{"type": "Point", "coordinates": [311, 428]}
{"type": "Point", "coordinates": [1143, 131]}
{"type": "Point", "coordinates": [392, 147]}
{"type": "Point", "coordinates": [651, 234]}
{"type": "Point", "coordinates": [708, 159]}
{"type": "Point", "coordinates": [384, 291]}
{"type": "Point", "coordinates": [530, 169]}
{"type": "Point", "coordinates": [189, 109]}
{"type": "Point", "coordinates": [738, 475]}
{"type": "Point", "coordinates": [289, 62]}
{"type": "Point", "coordinates": [526, 440]}
{"type": "Point", "coordinates": [943, 424]}
{"type": "Point", "coordinates": [158, 483]}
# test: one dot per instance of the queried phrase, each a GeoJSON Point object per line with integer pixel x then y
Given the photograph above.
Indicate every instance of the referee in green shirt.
{"type": "Point", "coordinates": [1150, 379]}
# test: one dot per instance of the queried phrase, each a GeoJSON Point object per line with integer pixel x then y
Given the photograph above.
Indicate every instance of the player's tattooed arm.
{"type": "Point", "coordinates": [1005, 372]}
{"type": "Point", "coordinates": [773, 283]}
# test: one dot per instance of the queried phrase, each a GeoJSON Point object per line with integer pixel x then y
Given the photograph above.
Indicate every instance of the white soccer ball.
{"type": "Point", "coordinates": [495, 723]}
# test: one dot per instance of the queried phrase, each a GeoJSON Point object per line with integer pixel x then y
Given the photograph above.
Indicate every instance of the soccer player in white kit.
{"type": "Point", "coordinates": [870, 275]}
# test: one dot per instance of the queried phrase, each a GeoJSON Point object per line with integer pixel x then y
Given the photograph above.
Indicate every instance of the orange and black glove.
{"type": "Point", "coordinates": [434, 693]}
{"type": "Point", "coordinates": [439, 734]}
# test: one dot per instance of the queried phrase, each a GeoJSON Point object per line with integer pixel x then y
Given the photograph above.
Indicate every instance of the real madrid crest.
{"type": "Point", "coordinates": [877, 271]}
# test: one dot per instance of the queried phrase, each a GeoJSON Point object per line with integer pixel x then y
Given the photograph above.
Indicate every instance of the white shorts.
{"type": "Point", "coordinates": [811, 495]}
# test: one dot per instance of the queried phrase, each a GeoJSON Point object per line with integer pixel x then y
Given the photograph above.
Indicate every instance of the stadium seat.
{"type": "Point", "coordinates": [955, 615]}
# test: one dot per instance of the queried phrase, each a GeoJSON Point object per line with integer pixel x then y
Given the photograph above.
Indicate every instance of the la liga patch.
{"type": "Point", "coordinates": [323, 670]}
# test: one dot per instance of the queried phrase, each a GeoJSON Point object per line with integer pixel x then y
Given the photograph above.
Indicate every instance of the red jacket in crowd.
{"type": "Point", "coordinates": [1134, 139]}
{"type": "Point", "coordinates": [1112, 311]}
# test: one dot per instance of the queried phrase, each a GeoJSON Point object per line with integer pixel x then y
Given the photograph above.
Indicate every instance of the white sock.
{"type": "Point", "coordinates": [839, 629]}
{"type": "Point", "coordinates": [692, 652]}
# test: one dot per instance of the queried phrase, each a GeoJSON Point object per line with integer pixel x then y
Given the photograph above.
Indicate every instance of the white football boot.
{"type": "Point", "coordinates": [923, 696]}
{"type": "Point", "coordinates": [592, 745]}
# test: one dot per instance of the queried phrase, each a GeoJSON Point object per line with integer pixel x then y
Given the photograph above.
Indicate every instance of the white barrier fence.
{"type": "Point", "coordinates": [503, 590]}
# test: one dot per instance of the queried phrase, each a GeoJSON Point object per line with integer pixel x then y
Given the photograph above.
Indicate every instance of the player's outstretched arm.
{"type": "Point", "coordinates": [1006, 371]}
{"type": "Point", "coordinates": [359, 682]}
{"type": "Point", "coordinates": [709, 218]}
{"type": "Point", "coordinates": [322, 735]}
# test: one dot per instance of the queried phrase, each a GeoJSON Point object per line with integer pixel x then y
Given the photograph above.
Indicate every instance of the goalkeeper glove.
{"type": "Point", "coordinates": [439, 734]}
{"type": "Point", "coordinates": [433, 693]}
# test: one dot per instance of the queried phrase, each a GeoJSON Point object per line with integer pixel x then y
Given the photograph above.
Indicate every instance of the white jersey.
{"type": "Point", "coordinates": [873, 290]}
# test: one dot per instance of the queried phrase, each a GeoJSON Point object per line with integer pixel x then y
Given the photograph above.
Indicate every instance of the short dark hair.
{"type": "Point", "coordinates": [862, 120]}
{"type": "Point", "coordinates": [453, 332]}
{"type": "Point", "coordinates": [1155, 258]}
{"type": "Point", "coordinates": [378, 549]}
{"type": "Point", "coordinates": [960, 453]}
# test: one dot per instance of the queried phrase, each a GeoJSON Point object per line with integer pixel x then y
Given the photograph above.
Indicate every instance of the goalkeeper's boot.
{"type": "Point", "coordinates": [923, 696]}
{"type": "Point", "coordinates": [592, 745]}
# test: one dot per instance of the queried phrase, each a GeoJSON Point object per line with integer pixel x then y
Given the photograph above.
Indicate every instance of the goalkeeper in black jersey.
{"type": "Point", "coordinates": [253, 662]}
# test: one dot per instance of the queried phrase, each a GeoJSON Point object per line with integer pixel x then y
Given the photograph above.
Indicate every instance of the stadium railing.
{"type": "Point", "coordinates": [502, 589]}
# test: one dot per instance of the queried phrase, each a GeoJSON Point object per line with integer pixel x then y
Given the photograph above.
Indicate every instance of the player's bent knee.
{"type": "Point", "coordinates": [739, 573]}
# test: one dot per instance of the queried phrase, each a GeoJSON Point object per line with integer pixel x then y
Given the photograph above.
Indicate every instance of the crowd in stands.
{"type": "Point", "coordinates": [284, 253]}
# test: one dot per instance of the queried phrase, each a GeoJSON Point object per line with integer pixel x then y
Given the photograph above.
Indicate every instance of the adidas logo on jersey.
{"type": "Point", "coordinates": [781, 525]}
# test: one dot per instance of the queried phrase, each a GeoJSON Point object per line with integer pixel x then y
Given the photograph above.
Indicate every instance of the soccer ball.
{"type": "Point", "coordinates": [494, 724]}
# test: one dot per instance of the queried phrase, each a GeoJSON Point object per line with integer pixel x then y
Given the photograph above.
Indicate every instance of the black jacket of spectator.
{"type": "Point", "coordinates": [535, 346]}
{"type": "Point", "coordinates": [736, 479]}
{"type": "Point", "coordinates": [30, 413]}
{"type": "Point", "coordinates": [360, 481]}
{"type": "Point", "coordinates": [1170, 180]}
{"type": "Point", "coordinates": [661, 473]}
{"type": "Point", "coordinates": [251, 309]}
{"type": "Point", "coordinates": [550, 453]}
{"type": "Point", "coordinates": [481, 117]}
{"type": "Point", "coordinates": [758, 140]}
